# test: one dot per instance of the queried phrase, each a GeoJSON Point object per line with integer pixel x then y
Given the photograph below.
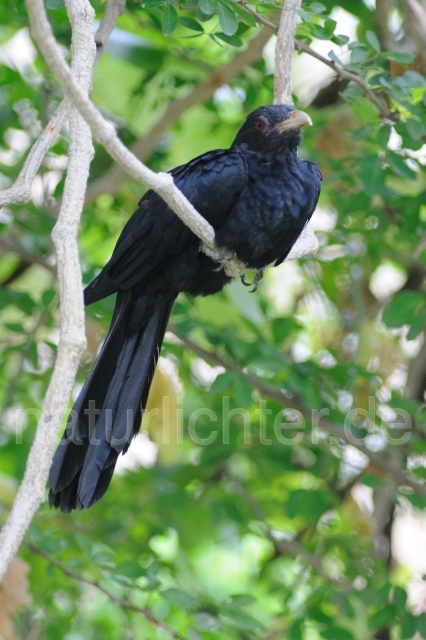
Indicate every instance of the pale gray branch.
{"type": "Point", "coordinates": [72, 340]}
{"type": "Point", "coordinates": [340, 71]}
{"type": "Point", "coordinates": [284, 52]}
{"type": "Point", "coordinates": [20, 191]}
{"type": "Point", "coordinates": [142, 148]}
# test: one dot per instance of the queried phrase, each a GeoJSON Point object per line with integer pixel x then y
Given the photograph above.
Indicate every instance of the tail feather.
{"type": "Point", "coordinates": [108, 411]}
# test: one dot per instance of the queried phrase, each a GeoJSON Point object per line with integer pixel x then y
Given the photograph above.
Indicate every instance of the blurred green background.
{"type": "Point", "coordinates": [230, 532]}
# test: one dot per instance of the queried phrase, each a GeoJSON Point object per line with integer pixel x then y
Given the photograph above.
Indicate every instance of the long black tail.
{"type": "Point", "coordinates": [108, 411]}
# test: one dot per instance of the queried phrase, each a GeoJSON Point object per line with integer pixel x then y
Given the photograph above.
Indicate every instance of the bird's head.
{"type": "Point", "coordinates": [272, 129]}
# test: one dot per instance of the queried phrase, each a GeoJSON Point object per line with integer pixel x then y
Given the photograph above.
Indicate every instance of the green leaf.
{"type": "Point", "coordinates": [402, 309]}
{"type": "Point", "coordinates": [352, 92]}
{"type": "Point", "coordinates": [399, 167]}
{"type": "Point", "coordinates": [336, 633]}
{"type": "Point", "coordinates": [55, 4]}
{"type": "Point", "coordinates": [244, 15]}
{"type": "Point", "coordinates": [14, 326]}
{"type": "Point", "coordinates": [308, 503]}
{"type": "Point", "coordinates": [360, 54]}
{"type": "Point", "coordinates": [208, 7]}
{"type": "Point", "coordinates": [129, 570]}
{"type": "Point", "coordinates": [417, 501]}
{"type": "Point", "coordinates": [415, 129]}
{"type": "Point", "coordinates": [189, 23]}
{"type": "Point", "coordinates": [373, 40]}
{"type": "Point", "coordinates": [383, 135]}
{"type": "Point", "coordinates": [242, 600]}
{"type": "Point", "coordinates": [240, 618]}
{"type": "Point", "coordinates": [340, 39]}
{"type": "Point", "coordinates": [103, 557]}
{"type": "Point", "coordinates": [372, 174]}
{"type": "Point", "coordinates": [408, 626]}
{"type": "Point", "coordinates": [295, 631]}
{"type": "Point", "coordinates": [317, 7]}
{"type": "Point", "coordinates": [370, 480]}
{"type": "Point", "coordinates": [205, 621]}
{"type": "Point", "coordinates": [222, 383]}
{"type": "Point", "coordinates": [382, 617]}
{"type": "Point", "coordinates": [421, 623]}
{"type": "Point", "coordinates": [418, 324]}
{"type": "Point", "coordinates": [32, 355]}
{"type": "Point", "coordinates": [334, 57]}
{"type": "Point", "coordinates": [234, 41]}
{"type": "Point", "coordinates": [283, 327]}
{"type": "Point", "coordinates": [400, 57]}
{"type": "Point", "coordinates": [84, 543]}
{"type": "Point", "coordinates": [180, 599]}
{"type": "Point", "coordinates": [47, 297]}
{"type": "Point", "coordinates": [227, 19]}
{"type": "Point", "coordinates": [170, 20]}
{"type": "Point", "coordinates": [243, 392]}
{"type": "Point", "coordinates": [204, 17]}
{"type": "Point", "coordinates": [399, 598]}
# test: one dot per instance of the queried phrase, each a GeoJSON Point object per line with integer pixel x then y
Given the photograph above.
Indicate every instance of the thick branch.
{"type": "Point", "coordinates": [390, 467]}
{"type": "Point", "coordinates": [284, 53]}
{"type": "Point", "coordinates": [415, 14]}
{"type": "Point", "coordinates": [20, 191]}
{"type": "Point", "coordinates": [143, 147]}
{"type": "Point", "coordinates": [72, 337]}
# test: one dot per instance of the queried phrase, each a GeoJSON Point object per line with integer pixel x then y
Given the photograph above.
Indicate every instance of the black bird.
{"type": "Point", "coordinates": [258, 195]}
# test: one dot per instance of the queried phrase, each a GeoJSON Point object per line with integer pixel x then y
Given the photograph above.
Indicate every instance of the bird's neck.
{"type": "Point", "coordinates": [285, 156]}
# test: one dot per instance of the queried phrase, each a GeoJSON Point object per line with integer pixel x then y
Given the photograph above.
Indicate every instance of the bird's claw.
{"type": "Point", "coordinates": [225, 257]}
{"type": "Point", "coordinates": [256, 280]}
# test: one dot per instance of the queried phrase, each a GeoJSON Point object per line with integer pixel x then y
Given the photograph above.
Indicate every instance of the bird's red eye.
{"type": "Point", "coordinates": [260, 124]}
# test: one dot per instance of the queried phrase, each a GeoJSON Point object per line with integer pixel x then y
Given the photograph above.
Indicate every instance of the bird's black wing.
{"type": "Point", "coordinates": [155, 234]}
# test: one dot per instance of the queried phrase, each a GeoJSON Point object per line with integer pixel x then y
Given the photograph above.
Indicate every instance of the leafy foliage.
{"type": "Point", "coordinates": [247, 526]}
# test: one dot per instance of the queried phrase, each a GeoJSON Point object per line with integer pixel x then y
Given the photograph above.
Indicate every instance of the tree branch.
{"type": "Point", "coordinates": [72, 340]}
{"type": "Point", "coordinates": [122, 602]}
{"type": "Point", "coordinates": [143, 147]}
{"type": "Point", "coordinates": [381, 106]}
{"type": "Point", "coordinates": [283, 88]}
{"type": "Point", "coordinates": [390, 467]}
{"type": "Point", "coordinates": [29, 257]}
{"type": "Point", "coordinates": [20, 191]}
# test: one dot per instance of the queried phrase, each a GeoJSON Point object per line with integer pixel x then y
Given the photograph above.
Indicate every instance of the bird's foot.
{"type": "Point", "coordinates": [256, 280]}
{"type": "Point", "coordinates": [224, 258]}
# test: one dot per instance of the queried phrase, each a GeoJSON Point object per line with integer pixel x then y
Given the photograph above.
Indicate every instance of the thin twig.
{"type": "Point", "coordinates": [122, 602]}
{"type": "Point", "coordinates": [20, 191]}
{"type": "Point", "coordinates": [11, 245]}
{"type": "Point", "coordinates": [390, 467]}
{"type": "Point", "coordinates": [382, 108]}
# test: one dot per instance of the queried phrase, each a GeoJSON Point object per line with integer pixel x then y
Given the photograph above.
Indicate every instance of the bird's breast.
{"type": "Point", "coordinates": [270, 214]}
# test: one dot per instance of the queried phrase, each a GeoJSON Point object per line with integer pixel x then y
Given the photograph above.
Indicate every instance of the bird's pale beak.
{"type": "Point", "coordinates": [296, 120]}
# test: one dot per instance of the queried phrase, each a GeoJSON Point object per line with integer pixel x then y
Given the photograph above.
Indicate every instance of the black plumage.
{"type": "Point", "coordinates": [258, 195]}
